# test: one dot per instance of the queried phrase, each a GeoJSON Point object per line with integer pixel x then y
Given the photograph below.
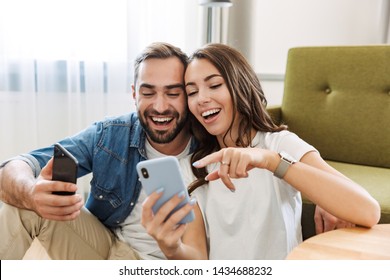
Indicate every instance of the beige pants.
{"type": "Point", "coordinates": [85, 238]}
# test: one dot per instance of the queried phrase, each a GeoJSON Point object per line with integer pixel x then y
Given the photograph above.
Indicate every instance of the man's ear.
{"type": "Point", "coordinates": [134, 95]}
{"type": "Point", "coordinates": [133, 92]}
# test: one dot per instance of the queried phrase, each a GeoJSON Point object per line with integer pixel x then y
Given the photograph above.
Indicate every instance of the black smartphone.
{"type": "Point", "coordinates": [64, 167]}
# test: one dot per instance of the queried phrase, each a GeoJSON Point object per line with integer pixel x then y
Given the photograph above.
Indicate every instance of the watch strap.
{"type": "Point", "coordinates": [281, 170]}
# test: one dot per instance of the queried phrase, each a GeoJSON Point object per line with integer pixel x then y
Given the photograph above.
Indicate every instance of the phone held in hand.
{"type": "Point", "coordinates": [64, 167]}
{"type": "Point", "coordinates": [164, 173]}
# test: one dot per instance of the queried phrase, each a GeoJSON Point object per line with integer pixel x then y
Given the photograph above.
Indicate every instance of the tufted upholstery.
{"type": "Point", "coordinates": [338, 99]}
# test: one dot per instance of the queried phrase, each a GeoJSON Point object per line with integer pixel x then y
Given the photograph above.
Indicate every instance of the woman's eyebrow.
{"type": "Point", "coordinates": [211, 76]}
{"type": "Point", "coordinates": [205, 79]}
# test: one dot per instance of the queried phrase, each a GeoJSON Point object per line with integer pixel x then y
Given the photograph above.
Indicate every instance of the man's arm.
{"type": "Point", "coordinates": [16, 183]}
{"type": "Point", "coordinates": [19, 187]}
{"type": "Point", "coordinates": [325, 221]}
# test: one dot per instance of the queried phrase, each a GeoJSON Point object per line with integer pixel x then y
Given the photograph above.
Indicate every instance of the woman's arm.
{"type": "Point", "coordinates": [333, 191]}
{"type": "Point", "coordinates": [312, 176]}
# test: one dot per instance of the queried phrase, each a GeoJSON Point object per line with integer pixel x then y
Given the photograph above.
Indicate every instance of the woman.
{"type": "Point", "coordinates": [254, 210]}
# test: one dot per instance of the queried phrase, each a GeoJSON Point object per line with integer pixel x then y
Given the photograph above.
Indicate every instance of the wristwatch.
{"type": "Point", "coordinates": [285, 161]}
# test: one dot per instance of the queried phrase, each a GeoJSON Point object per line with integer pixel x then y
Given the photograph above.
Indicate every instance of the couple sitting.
{"type": "Point", "coordinates": [247, 173]}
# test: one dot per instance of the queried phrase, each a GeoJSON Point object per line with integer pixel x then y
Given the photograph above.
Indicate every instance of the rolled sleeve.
{"type": "Point", "coordinates": [27, 158]}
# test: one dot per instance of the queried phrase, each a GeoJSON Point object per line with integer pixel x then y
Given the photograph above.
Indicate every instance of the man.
{"type": "Point", "coordinates": [109, 226]}
{"type": "Point", "coordinates": [110, 150]}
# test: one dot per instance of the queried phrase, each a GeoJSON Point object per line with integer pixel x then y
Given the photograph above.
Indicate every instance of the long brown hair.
{"type": "Point", "coordinates": [248, 101]}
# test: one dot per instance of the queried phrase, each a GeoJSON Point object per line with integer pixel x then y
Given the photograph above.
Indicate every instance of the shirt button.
{"type": "Point", "coordinates": [100, 197]}
{"type": "Point", "coordinates": [131, 204]}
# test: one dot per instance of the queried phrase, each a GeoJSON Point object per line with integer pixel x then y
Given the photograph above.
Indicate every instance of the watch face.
{"type": "Point", "coordinates": [287, 157]}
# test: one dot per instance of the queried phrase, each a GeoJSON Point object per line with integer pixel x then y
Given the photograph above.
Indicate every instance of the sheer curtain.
{"type": "Point", "coordinates": [67, 63]}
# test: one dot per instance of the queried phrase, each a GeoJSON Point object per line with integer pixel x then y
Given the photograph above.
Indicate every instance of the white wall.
{"type": "Point", "coordinates": [269, 28]}
{"type": "Point", "coordinates": [265, 30]}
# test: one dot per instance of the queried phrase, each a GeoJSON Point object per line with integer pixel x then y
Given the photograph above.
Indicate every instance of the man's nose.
{"type": "Point", "coordinates": [160, 104]}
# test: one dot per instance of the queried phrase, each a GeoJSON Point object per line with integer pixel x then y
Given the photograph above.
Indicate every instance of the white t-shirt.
{"type": "Point", "coordinates": [131, 230]}
{"type": "Point", "coordinates": [262, 218]}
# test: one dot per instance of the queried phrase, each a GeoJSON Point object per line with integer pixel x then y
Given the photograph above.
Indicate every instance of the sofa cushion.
{"type": "Point", "coordinates": [338, 100]}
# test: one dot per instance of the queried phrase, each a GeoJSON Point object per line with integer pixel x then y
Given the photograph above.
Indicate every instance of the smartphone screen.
{"type": "Point", "coordinates": [64, 167]}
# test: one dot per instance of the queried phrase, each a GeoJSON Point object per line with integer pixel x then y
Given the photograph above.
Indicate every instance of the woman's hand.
{"type": "Point", "coordinates": [235, 163]}
{"type": "Point", "coordinates": [166, 231]}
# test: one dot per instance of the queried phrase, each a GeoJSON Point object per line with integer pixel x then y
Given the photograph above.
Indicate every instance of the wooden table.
{"type": "Point", "coordinates": [349, 243]}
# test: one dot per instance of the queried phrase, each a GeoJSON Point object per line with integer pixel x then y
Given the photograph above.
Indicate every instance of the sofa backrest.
{"type": "Point", "coordinates": [338, 99]}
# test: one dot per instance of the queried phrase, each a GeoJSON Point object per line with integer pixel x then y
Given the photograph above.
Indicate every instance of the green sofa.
{"type": "Point", "coordinates": [337, 98]}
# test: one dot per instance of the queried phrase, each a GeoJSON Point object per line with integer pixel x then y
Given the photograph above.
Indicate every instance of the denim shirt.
{"type": "Point", "coordinates": [110, 149]}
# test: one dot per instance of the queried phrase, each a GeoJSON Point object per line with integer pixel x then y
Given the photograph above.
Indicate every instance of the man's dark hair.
{"type": "Point", "coordinates": [159, 50]}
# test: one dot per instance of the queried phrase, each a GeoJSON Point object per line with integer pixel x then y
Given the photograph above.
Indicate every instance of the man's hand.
{"type": "Point", "coordinates": [51, 206]}
{"type": "Point", "coordinates": [325, 221]}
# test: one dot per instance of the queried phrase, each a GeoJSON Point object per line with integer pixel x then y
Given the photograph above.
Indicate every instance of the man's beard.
{"type": "Point", "coordinates": [163, 136]}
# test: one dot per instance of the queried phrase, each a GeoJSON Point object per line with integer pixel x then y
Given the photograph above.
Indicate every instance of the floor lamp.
{"type": "Point", "coordinates": [386, 21]}
{"type": "Point", "coordinates": [216, 20]}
